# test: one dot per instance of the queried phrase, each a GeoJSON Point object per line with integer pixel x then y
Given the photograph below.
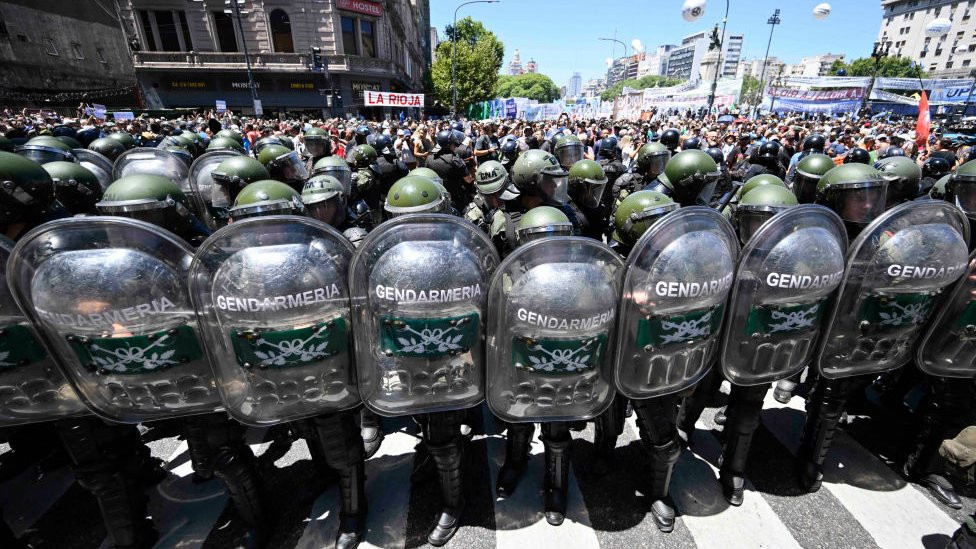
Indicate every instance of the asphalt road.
{"type": "Point", "coordinates": [864, 502]}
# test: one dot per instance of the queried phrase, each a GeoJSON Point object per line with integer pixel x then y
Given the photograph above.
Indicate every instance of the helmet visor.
{"type": "Point", "coordinates": [805, 187]}
{"type": "Point", "coordinates": [316, 145]}
{"type": "Point", "coordinates": [965, 190]}
{"type": "Point", "coordinates": [654, 164]}
{"type": "Point", "coordinates": [555, 188]}
{"type": "Point", "coordinates": [900, 189]}
{"type": "Point", "coordinates": [569, 154]}
{"type": "Point", "coordinates": [529, 234]}
{"type": "Point", "coordinates": [275, 207]}
{"type": "Point", "coordinates": [289, 168]}
{"type": "Point", "coordinates": [331, 211]}
{"type": "Point", "coordinates": [342, 173]}
{"type": "Point", "coordinates": [588, 192]}
{"type": "Point", "coordinates": [748, 221]}
{"type": "Point", "coordinates": [43, 155]}
{"type": "Point", "coordinates": [856, 204]}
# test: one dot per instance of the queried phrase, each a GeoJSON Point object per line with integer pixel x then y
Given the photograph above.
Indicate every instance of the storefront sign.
{"type": "Point", "coordinates": [363, 86]}
{"type": "Point", "coordinates": [393, 99]}
{"type": "Point", "coordinates": [187, 85]}
{"type": "Point", "coordinates": [361, 6]}
{"type": "Point", "coordinates": [244, 85]}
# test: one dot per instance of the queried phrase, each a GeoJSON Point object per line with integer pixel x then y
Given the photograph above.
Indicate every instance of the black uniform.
{"type": "Point", "coordinates": [452, 170]}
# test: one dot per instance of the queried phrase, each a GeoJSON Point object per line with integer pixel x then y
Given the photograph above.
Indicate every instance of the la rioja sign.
{"type": "Point", "coordinates": [393, 99]}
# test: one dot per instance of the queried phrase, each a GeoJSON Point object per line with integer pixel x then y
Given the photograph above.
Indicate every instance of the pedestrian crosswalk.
{"type": "Point", "coordinates": [863, 503]}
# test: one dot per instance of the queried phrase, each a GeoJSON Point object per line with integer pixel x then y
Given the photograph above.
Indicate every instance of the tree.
{"type": "Point", "coordinates": [649, 81]}
{"type": "Point", "coordinates": [750, 90]}
{"type": "Point", "coordinates": [897, 67]}
{"type": "Point", "coordinates": [531, 85]}
{"type": "Point", "coordinates": [479, 56]}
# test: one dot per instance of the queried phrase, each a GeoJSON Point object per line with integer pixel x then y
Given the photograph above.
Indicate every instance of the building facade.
{"type": "Point", "coordinates": [950, 55]}
{"type": "Point", "coordinates": [575, 87]}
{"type": "Point", "coordinates": [655, 64]}
{"type": "Point", "coordinates": [731, 54]}
{"type": "Point", "coordinates": [62, 53]}
{"type": "Point", "coordinates": [515, 67]}
{"type": "Point", "coordinates": [305, 55]}
{"type": "Point", "coordinates": [754, 67]}
{"type": "Point", "coordinates": [684, 60]}
{"type": "Point", "coordinates": [817, 65]}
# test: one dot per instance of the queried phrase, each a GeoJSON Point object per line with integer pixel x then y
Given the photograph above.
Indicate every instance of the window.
{"type": "Point", "coordinates": [224, 29]}
{"type": "Point", "coordinates": [187, 43]}
{"type": "Point", "coordinates": [147, 30]}
{"type": "Point", "coordinates": [281, 32]}
{"type": "Point", "coordinates": [366, 34]}
{"type": "Point", "coordinates": [350, 46]}
{"type": "Point", "coordinates": [100, 54]}
{"type": "Point", "coordinates": [168, 38]}
{"type": "Point", "coordinates": [76, 49]}
{"type": "Point", "coordinates": [50, 48]}
{"type": "Point", "coordinates": [965, 63]}
{"type": "Point", "coordinates": [948, 64]}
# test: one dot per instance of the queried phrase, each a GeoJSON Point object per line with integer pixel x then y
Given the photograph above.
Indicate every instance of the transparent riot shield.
{"type": "Point", "coordinates": [144, 160]}
{"type": "Point", "coordinates": [949, 347]}
{"type": "Point", "coordinates": [210, 197]}
{"type": "Point", "coordinates": [788, 273]}
{"type": "Point", "coordinates": [897, 270]}
{"type": "Point", "coordinates": [672, 302]}
{"type": "Point", "coordinates": [272, 297]}
{"type": "Point", "coordinates": [553, 308]}
{"type": "Point", "coordinates": [108, 297]}
{"type": "Point", "coordinates": [31, 387]}
{"type": "Point", "coordinates": [419, 286]}
{"type": "Point", "coordinates": [97, 164]}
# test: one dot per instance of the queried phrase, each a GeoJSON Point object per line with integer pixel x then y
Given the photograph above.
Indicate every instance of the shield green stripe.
{"type": "Point", "coordinates": [137, 354]}
{"type": "Point", "coordinates": [557, 356]}
{"type": "Point", "coordinates": [654, 332]}
{"type": "Point", "coordinates": [18, 347]}
{"type": "Point", "coordinates": [288, 348]}
{"type": "Point", "coordinates": [428, 337]}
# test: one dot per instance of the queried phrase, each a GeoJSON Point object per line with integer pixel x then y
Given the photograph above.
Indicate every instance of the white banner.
{"type": "Point", "coordinates": [123, 115]}
{"type": "Point", "coordinates": [99, 110]}
{"type": "Point", "coordinates": [392, 99]}
{"type": "Point", "coordinates": [221, 106]}
{"type": "Point", "coordinates": [258, 108]}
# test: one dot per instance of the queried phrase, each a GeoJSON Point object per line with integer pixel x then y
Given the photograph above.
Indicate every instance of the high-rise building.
{"type": "Point", "coordinates": [754, 67]}
{"type": "Point", "coordinates": [817, 65]}
{"type": "Point", "coordinates": [575, 86]}
{"type": "Point", "coordinates": [950, 55]}
{"type": "Point", "coordinates": [684, 61]}
{"type": "Point", "coordinates": [655, 64]}
{"type": "Point", "coordinates": [531, 66]}
{"type": "Point", "coordinates": [435, 39]}
{"type": "Point", "coordinates": [594, 87]}
{"type": "Point", "coordinates": [617, 71]}
{"type": "Point", "coordinates": [515, 67]}
{"type": "Point", "coordinates": [731, 53]}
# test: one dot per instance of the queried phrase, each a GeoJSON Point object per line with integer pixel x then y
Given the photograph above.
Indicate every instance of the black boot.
{"type": "Point", "coordinates": [662, 459]}
{"type": "Point", "coordinates": [447, 458]}
{"type": "Point", "coordinates": [518, 440]}
{"type": "Point", "coordinates": [965, 536]}
{"type": "Point", "coordinates": [371, 430]}
{"type": "Point", "coordinates": [734, 456]}
{"type": "Point", "coordinates": [557, 479]}
{"type": "Point", "coordinates": [940, 488]}
{"type": "Point", "coordinates": [720, 417]}
{"type": "Point", "coordinates": [745, 406]}
{"type": "Point", "coordinates": [825, 406]}
{"type": "Point", "coordinates": [352, 516]}
{"type": "Point", "coordinates": [607, 427]}
{"type": "Point", "coordinates": [239, 474]}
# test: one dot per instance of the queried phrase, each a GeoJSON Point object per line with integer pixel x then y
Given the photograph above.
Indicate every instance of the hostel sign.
{"type": "Point", "coordinates": [393, 99]}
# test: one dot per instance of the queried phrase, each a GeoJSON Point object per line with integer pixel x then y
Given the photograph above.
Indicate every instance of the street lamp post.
{"type": "Point", "coordinates": [235, 4]}
{"type": "Point", "coordinates": [615, 45]}
{"type": "Point", "coordinates": [718, 64]}
{"type": "Point", "coordinates": [454, 52]}
{"type": "Point", "coordinates": [879, 52]}
{"type": "Point", "coordinates": [772, 22]}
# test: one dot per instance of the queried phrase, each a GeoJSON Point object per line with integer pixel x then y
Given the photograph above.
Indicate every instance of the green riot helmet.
{"type": "Point", "coordinates": [413, 194]}
{"type": "Point", "coordinates": [809, 170]}
{"type": "Point", "coordinates": [325, 199]}
{"type": "Point", "coordinates": [225, 144]}
{"type": "Point", "coordinates": [961, 188]}
{"type": "Point", "coordinates": [75, 187]}
{"type": "Point", "coordinates": [636, 213]}
{"type": "Point", "coordinates": [180, 153]}
{"type": "Point", "coordinates": [44, 149]}
{"type": "Point", "coordinates": [151, 198]}
{"type": "Point", "coordinates": [70, 141]}
{"type": "Point", "coordinates": [568, 150]}
{"type": "Point", "coordinates": [232, 175]}
{"type": "Point", "coordinates": [107, 147]}
{"type": "Point", "coordinates": [266, 197]}
{"type": "Point", "coordinates": [758, 206]}
{"type": "Point", "coordinates": [287, 141]}
{"type": "Point", "coordinates": [337, 168]}
{"type": "Point", "coordinates": [691, 173]}
{"type": "Point", "coordinates": [191, 141]}
{"type": "Point", "coordinates": [652, 159]}
{"type": "Point", "coordinates": [902, 175]}
{"type": "Point", "coordinates": [939, 191]}
{"type": "Point", "coordinates": [760, 180]}
{"type": "Point", "coordinates": [428, 173]}
{"type": "Point", "coordinates": [231, 134]}
{"type": "Point", "coordinates": [125, 138]}
{"type": "Point", "coordinates": [361, 156]}
{"type": "Point", "coordinates": [317, 142]}
{"type": "Point", "coordinates": [587, 181]}
{"type": "Point", "coordinates": [540, 174]}
{"type": "Point", "coordinates": [542, 222]}
{"type": "Point", "coordinates": [260, 144]}
{"type": "Point", "coordinates": [491, 178]}
{"type": "Point", "coordinates": [283, 164]}
{"type": "Point", "coordinates": [6, 145]}
{"type": "Point", "coordinates": [856, 192]}
{"type": "Point", "coordinates": [25, 188]}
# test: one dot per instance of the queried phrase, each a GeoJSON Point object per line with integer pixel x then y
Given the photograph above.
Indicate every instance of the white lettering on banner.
{"type": "Point", "coordinates": [392, 99]}
{"type": "Point", "coordinates": [407, 295]}
{"type": "Point", "coordinates": [112, 316]}
{"type": "Point", "coordinates": [815, 95]}
{"type": "Point", "coordinates": [278, 302]}
{"type": "Point", "coordinates": [556, 323]}
{"type": "Point", "coordinates": [803, 282]}
{"type": "Point", "coordinates": [915, 271]}
{"type": "Point", "coordinates": [693, 289]}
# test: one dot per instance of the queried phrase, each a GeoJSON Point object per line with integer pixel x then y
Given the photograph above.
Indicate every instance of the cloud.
{"type": "Point", "coordinates": [636, 44]}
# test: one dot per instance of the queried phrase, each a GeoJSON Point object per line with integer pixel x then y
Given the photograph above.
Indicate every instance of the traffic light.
{"type": "Point", "coordinates": [317, 59]}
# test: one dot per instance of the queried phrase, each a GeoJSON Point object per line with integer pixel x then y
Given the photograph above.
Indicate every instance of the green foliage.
{"type": "Point", "coordinates": [750, 90]}
{"type": "Point", "coordinates": [479, 56]}
{"type": "Point", "coordinates": [531, 85]}
{"type": "Point", "coordinates": [897, 67]}
{"type": "Point", "coordinates": [650, 81]}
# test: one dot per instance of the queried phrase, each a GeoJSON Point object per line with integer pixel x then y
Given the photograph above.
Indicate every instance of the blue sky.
{"type": "Point", "coordinates": [561, 35]}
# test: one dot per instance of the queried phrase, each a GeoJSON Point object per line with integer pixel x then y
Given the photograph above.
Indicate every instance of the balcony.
{"type": "Point", "coordinates": [265, 61]}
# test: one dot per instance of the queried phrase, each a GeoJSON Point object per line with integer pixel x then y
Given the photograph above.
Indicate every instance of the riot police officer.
{"type": "Point", "coordinates": [670, 138]}
{"type": "Point", "coordinates": [451, 168]}
{"type": "Point", "coordinates": [494, 189]}
{"type": "Point", "coordinates": [690, 178]}
{"type": "Point", "coordinates": [649, 164]}
{"type": "Point", "coordinates": [107, 147]}
{"type": "Point", "coordinates": [809, 170]}
{"type": "Point", "coordinates": [229, 177]}
{"type": "Point", "coordinates": [389, 167]}
{"type": "Point", "coordinates": [223, 143]}
{"type": "Point", "coordinates": [902, 175]}
{"type": "Point", "coordinates": [933, 169]}
{"type": "Point", "coordinates": [587, 185]}
{"type": "Point", "coordinates": [283, 164]}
